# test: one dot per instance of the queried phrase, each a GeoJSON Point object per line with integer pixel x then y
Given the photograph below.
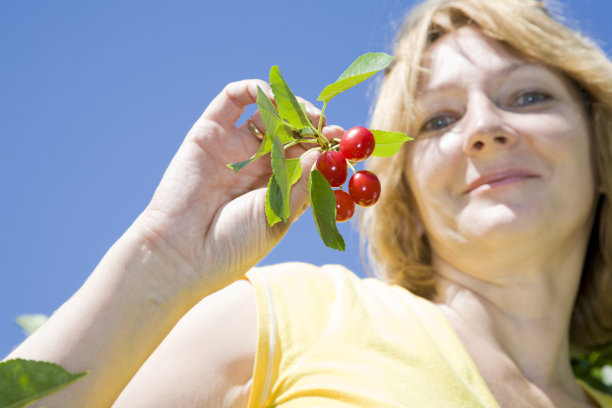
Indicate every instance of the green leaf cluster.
{"type": "Point", "coordinates": [594, 368]}
{"type": "Point", "coordinates": [23, 382]}
{"type": "Point", "coordinates": [29, 323]}
{"type": "Point", "coordinates": [287, 124]}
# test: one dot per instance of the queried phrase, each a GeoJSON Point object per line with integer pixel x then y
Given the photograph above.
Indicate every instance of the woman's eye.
{"type": "Point", "coordinates": [531, 97]}
{"type": "Point", "coordinates": [437, 123]}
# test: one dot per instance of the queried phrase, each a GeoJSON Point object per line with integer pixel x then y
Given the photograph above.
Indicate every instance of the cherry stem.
{"type": "Point", "coordinates": [351, 166]}
{"type": "Point", "coordinates": [298, 141]}
{"type": "Point", "coordinates": [322, 116]}
{"type": "Point", "coordinates": [310, 150]}
{"type": "Point", "coordinates": [323, 140]}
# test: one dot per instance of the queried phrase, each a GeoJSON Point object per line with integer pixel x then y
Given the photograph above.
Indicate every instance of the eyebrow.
{"type": "Point", "coordinates": [500, 74]}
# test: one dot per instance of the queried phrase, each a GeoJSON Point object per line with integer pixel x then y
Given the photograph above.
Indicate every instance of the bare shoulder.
{"type": "Point", "coordinates": [206, 360]}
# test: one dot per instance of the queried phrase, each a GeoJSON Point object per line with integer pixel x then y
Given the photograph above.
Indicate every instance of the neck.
{"type": "Point", "coordinates": [524, 311]}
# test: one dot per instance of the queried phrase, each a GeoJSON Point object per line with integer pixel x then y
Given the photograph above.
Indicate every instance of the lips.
{"type": "Point", "coordinates": [499, 178]}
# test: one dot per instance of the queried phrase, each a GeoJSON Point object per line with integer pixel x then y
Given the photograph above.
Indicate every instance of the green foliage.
{"type": "Point", "coordinates": [278, 203]}
{"type": "Point", "coordinates": [288, 124]}
{"type": "Point", "coordinates": [361, 69]}
{"type": "Point", "coordinates": [323, 203]}
{"type": "Point", "coordinates": [595, 368]}
{"type": "Point", "coordinates": [275, 205]}
{"type": "Point", "coordinates": [29, 323]}
{"type": "Point", "coordinates": [24, 381]}
{"type": "Point", "coordinates": [294, 170]}
{"type": "Point", "coordinates": [388, 143]}
{"type": "Point", "coordinates": [288, 106]}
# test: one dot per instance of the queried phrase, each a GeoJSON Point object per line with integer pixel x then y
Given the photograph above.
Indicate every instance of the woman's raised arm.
{"type": "Point", "coordinates": [203, 229]}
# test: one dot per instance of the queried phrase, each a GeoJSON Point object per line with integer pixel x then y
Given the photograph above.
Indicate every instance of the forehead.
{"type": "Point", "coordinates": [463, 55]}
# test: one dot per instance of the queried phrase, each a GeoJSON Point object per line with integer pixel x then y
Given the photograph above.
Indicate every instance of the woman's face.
{"type": "Point", "coordinates": [502, 153]}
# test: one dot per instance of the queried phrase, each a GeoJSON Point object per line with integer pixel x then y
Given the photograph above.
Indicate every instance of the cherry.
{"type": "Point", "coordinates": [364, 188]}
{"type": "Point", "coordinates": [332, 166]}
{"type": "Point", "coordinates": [357, 144]}
{"type": "Point", "coordinates": [345, 206]}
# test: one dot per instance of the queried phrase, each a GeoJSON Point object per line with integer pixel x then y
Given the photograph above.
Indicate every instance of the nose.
{"type": "Point", "coordinates": [486, 130]}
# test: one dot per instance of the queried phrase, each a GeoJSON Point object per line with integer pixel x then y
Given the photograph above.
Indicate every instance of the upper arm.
{"type": "Point", "coordinates": [206, 360]}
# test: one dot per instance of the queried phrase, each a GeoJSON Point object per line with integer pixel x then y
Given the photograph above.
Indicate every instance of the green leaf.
{"type": "Point", "coordinates": [24, 381]}
{"type": "Point", "coordinates": [30, 322]}
{"type": "Point", "coordinates": [279, 171]}
{"type": "Point", "coordinates": [303, 106]}
{"type": "Point", "coordinates": [273, 199]}
{"type": "Point", "coordinates": [323, 204]}
{"type": "Point", "coordinates": [361, 69]}
{"type": "Point", "coordinates": [388, 143]}
{"type": "Point", "coordinates": [267, 108]}
{"type": "Point", "coordinates": [272, 121]}
{"type": "Point", "coordinates": [288, 106]}
{"type": "Point", "coordinates": [264, 148]}
{"type": "Point", "coordinates": [294, 170]}
{"type": "Point", "coordinates": [307, 132]}
{"type": "Point", "coordinates": [594, 368]}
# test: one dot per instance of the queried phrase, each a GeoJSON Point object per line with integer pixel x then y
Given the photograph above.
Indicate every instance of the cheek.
{"type": "Point", "coordinates": [565, 140]}
{"type": "Point", "coordinates": [419, 167]}
{"type": "Point", "coordinates": [433, 175]}
{"type": "Point", "coordinates": [433, 164]}
{"type": "Point", "coordinates": [565, 143]}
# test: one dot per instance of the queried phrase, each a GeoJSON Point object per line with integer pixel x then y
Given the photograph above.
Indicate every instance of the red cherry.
{"type": "Point", "coordinates": [332, 166]}
{"type": "Point", "coordinates": [357, 144]}
{"type": "Point", "coordinates": [364, 188]}
{"type": "Point", "coordinates": [345, 206]}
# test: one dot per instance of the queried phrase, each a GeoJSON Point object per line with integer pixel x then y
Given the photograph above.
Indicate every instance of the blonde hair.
{"type": "Point", "coordinates": [397, 250]}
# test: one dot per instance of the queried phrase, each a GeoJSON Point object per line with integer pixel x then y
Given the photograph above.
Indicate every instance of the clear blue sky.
{"type": "Point", "coordinates": [95, 98]}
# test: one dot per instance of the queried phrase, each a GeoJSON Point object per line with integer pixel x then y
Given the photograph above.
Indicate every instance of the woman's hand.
{"type": "Point", "coordinates": [209, 220]}
{"type": "Point", "coordinates": [204, 228]}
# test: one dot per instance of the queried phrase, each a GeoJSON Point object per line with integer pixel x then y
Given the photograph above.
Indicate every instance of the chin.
{"type": "Point", "coordinates": [502, 225]}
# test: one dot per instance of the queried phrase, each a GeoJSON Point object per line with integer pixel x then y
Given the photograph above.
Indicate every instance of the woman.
{"type": "Point", "coordinates": [496, 218]}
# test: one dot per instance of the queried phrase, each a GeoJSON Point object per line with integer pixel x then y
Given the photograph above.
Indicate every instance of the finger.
{"type": "Point", "coordinates": [332, 132]}
{"type": "Point", "coordinates": [254, 129]}
{"type": "Point", "coordinates": [256, 134]}
{"type": "Point", "coordinates": [228, 106]}
{"type": "Point", "coordinates": [256, 125]}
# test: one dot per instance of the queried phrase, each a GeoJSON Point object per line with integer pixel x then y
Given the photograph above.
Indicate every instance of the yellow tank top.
{"type": "Point", "coordinates": [328, 338]}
